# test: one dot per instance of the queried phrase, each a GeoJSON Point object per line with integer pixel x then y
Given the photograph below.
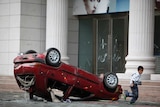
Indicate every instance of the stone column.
{"type": "Point", "coordinates": [57, 26]}
{"type": "Point", "coordinates": [141, 37]}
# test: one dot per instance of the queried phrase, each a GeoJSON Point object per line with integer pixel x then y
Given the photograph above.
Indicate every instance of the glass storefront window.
{"type": "Point", "coordinates": [102, 44]}
{"type": "Point", "coordinates": [118, 44]}
{"type": "Point", "coordinates": [157, 44]}
{"type": "Point", "coordinates": [102, 51]}
{"type": "Point", "coordinates": [157, 36]}
{"type": "Point", "coordinates": [86, 44]}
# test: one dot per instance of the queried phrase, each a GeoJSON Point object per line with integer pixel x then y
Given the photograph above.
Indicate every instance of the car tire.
{"type": "Point", "coordinates": [30, 52]}
{"type": "Point", "coordinates": [53, 57]}
{"type": "Point", "coordinates": [110, 81]}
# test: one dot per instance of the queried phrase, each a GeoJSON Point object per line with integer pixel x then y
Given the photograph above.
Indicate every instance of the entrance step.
{"type": "Point", "coordinates": [9, 84]}
{"type": "Point", "coordinates": [149, 91]}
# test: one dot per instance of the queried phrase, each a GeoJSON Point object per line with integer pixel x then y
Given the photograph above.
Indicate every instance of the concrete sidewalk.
{"type": "Point", "coordinates": [12, 96]}
{"type": "Point", "coordinates": [21, 99]}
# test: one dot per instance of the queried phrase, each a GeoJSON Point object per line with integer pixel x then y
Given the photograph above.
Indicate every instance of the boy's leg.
{"type": "Point", "coordinates": [127, 94]}
{"type": "Point", "coordinates": [135, 94]}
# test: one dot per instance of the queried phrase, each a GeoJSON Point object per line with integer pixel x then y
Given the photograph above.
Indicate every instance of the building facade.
{"type": "Point", "coordinates": [117, 41]}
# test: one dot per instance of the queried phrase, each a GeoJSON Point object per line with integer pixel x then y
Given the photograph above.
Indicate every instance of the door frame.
{"type": "Point", "coordinates": [110, 18]}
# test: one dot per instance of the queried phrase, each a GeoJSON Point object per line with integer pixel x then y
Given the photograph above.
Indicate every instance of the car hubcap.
{"type": "Point", "coordinates": [111, 80]}
{"type": "Point", "coordinates": [53, 56]}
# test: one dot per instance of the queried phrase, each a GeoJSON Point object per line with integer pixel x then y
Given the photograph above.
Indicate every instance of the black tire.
{"type": "Point", "coordinates": [30, 52]}
{"type": "Point", "coordinates": [110, 81]}
{"type": "Point", "coordinates": [53, 57]}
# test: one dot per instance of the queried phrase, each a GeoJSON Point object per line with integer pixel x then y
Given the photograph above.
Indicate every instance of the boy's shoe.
{"type": "Point", "coordinates": [125, 94]}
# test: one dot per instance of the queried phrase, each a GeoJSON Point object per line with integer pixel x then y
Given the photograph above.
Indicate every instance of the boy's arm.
{"type": "Point", "coordinates": [132, 80]}
{"type": "Point", "coordinates": [132, 84]}
{"type": "Point", "coordinates": [138, 82]}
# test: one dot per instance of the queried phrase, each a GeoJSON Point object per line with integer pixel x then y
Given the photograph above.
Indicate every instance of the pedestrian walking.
{"type": "Point", "coordinates": [134, 82]}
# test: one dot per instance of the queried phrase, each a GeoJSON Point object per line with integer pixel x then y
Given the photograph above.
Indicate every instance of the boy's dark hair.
{"type": "Point", "coordinates": [140, 67]}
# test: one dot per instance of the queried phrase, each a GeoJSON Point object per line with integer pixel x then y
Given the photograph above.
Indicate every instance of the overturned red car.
{"type": "Point", "coordinates": [36, 72]}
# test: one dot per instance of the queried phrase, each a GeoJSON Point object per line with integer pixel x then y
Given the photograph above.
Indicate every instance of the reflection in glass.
{"type": "Point", "coordinates": [118, 55]}
{"type": "Point", "coordinates": [86, 45]}
{"type": "Point", "coordinates": [102, 54]}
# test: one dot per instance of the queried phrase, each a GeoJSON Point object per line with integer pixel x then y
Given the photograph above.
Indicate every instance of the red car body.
{"type": "Point", "coordinates": [35, 76]}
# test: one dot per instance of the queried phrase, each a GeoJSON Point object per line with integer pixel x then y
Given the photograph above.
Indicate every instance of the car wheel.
{"type": "Point", "coordinates": [110, 81]}
{"type": "Point", "coordinates": [53, 57]}
{"type": "Point", "coordinates": [30, 52]}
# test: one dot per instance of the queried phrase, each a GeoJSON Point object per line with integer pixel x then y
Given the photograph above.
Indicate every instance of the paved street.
{"type": "Point", "coordinates": [20, 99]}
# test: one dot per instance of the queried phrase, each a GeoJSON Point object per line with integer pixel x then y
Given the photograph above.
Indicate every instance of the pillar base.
{"type": "Point", "coordinates": [147, 62]}
{"type": "Point", "coordinates": [65, 60]}
{"type": "Point", "coordinates": [128, 76]}
{"type": "Point", "coordinates": [155, 77]}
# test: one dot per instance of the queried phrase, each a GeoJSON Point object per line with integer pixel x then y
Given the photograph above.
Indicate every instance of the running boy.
{"type": "Point", "coordinates": [134, 82]}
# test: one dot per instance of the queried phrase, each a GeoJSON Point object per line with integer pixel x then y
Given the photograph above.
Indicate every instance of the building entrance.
{"type": "Point", "coordinates": [103, 44]}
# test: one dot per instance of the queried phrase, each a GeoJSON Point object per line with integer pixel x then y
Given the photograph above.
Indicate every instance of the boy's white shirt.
{"type": "Point", "coordinates": [135, 77]}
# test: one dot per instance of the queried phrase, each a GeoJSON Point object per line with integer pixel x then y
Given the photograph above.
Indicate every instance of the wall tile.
{"type": "Point", "coordinates": [11, 57]}
{"type": "Point", "coordinates": [15, 1]}
{"type": "Point", "coordinates": [73, 37]}
{"type": "Point", "coordinates": [43, 22]}
{"type": "Point", "coordinates": [73, 59]}
{"type": "Point", "coordinates": [5, 69]}
{"type": "Point", "coordinates": [14, 45]}
{"type": "Point", "coordinates": [4, 9]}
{"type": "Point", "coordinates": [14, 34]}
{"type": "Point", "coordinates": [32, 1]}
{"type": "Point", "coordinates": [42, 46]}
{"type": "Point", "coordinates": [43, 34]}
{"type": "Point", "coordinates": [30, 34]}
{"type": "Point", "coordinates": [43, 10]}
{"type": "Point", "coordinates": [4, 46]}
{"type": "Point", "coordinates": [30, 21]}
{"type": "Point", "coordinates": [70, 4]}
{"type": "Point", "coordinates": [31, 9]}
{"type": "Point", "coordinates": [15, 9]}
{"type": "Point", "coordinates": [15, 21]}
{"type": "Point", "coordinates": [4, 1]}
{"type": "Point", "coordinates": [72, 48]}
{"type": "Point", "coordinates": [4, 34]}
{"type": "Point", "coordinates": [44, 2]}
{"type": "Point", "coordinates": [73, 25]}
{"type": "Point", "coordinates": [10, 69]}
{"type": "Point", "coordinates": [4, 58]}
{"type": "Point", "coordinates": [27, 45]}
{"type": "Point", "coordinates": [4, 21]}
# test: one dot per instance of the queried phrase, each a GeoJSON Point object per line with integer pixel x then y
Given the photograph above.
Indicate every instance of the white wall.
{"type": "Point", "coordinates": [73, 28]}
{"type": "Point", "coordinates": [22, 27]}
{"type": "Point", "coordinates": [9, 34]}
{"type": "Point", "coordinates": [33, 25]}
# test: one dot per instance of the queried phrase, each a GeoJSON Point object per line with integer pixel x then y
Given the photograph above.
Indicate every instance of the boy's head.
{"type": "Point", "coordinates": [140, 69]}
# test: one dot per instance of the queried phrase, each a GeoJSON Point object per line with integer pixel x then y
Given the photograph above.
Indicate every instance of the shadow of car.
{"type": "Point", "coordinates": [36, 72]}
